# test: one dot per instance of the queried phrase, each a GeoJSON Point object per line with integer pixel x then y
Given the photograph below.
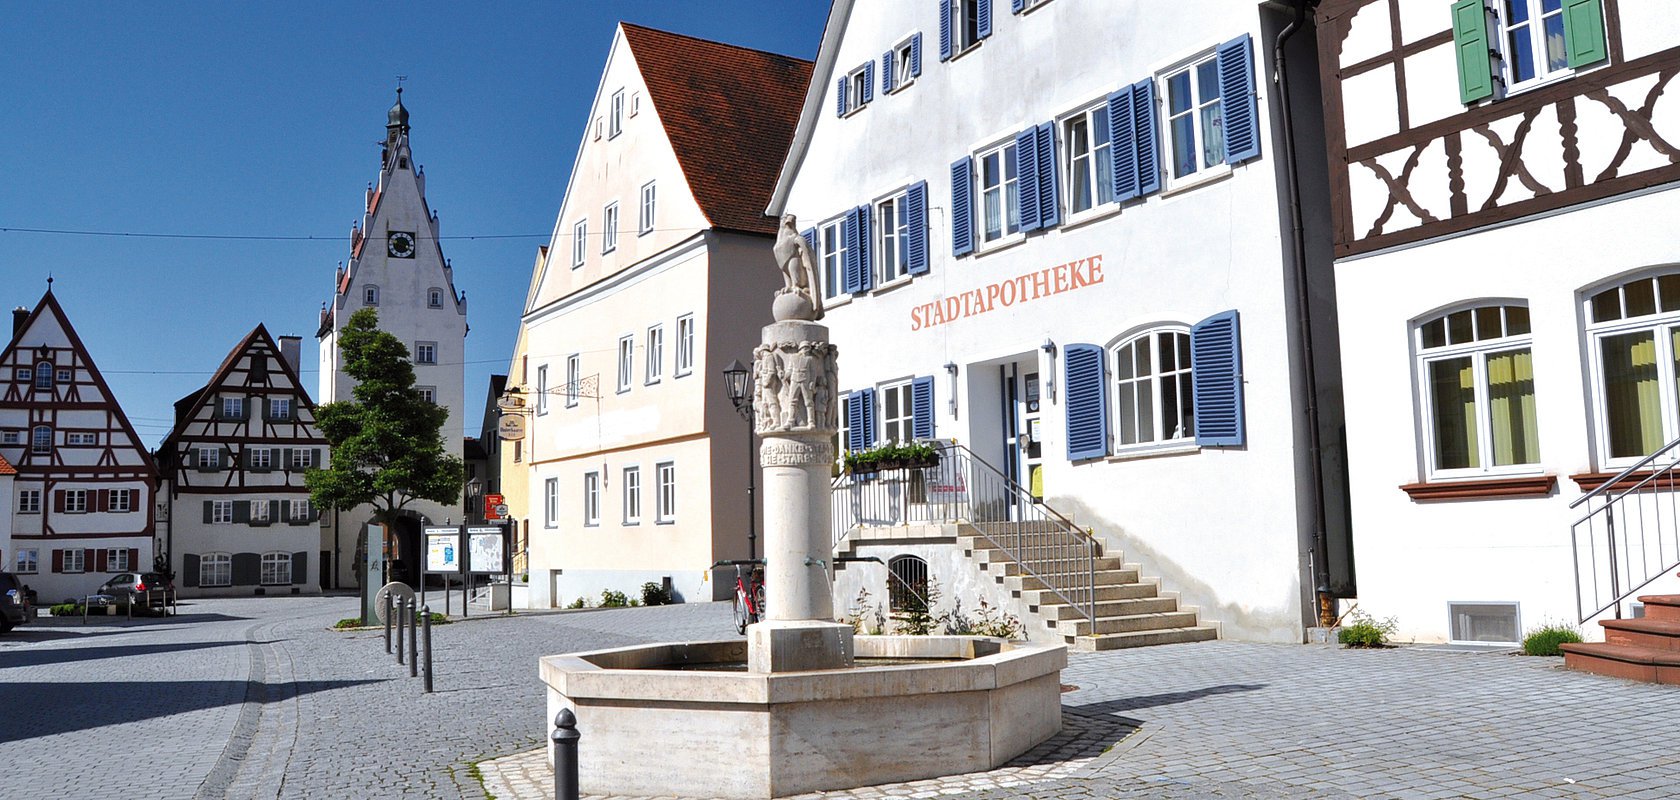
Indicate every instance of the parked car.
{"type": "Point", "coordinates": [138, 588]}
{"type": "Point", "coordinates": [15, 608]}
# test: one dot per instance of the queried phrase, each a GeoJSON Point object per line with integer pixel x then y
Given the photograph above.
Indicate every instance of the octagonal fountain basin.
{"type": "Point", "coordinates": [681, 719]}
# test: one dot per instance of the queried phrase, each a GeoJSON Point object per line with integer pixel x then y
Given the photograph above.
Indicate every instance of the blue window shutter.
{"type": "Point", "coordinates": [852, 268]}
{"type": "Point", "coordinates": [854, 422]}
{"type": "Point", "coordinates": [1236, 92]}
{"type": "Point", "coordinates": [916, 55]}
{"type": "Point", "coordinates": [866, 250]}
{"type": "Point", "coordinates": [840, 97]}
{"type": "Point", "coordinates": [1085, 398]}
{"type": "Point", "coordinates": [1026, 156]}
{"type": "Point", "coordinates": [1124, 149]}
{"type": "Point", "coordinates": [810, 235]}
{"type": "Point", "coordinates": [983, 26]}
{"type": "Point", "coordinates": [1017, 6]}
{"type": "Point", "coordinates": [1147, 132]}
{"type": "Point", "coordinates": [867, 402]}
{"type": "Point", "coordinates": [944, 30]}
{"type": "Point", "coordinates": [886, 72]}
{"type": "Point", "coordinates": [1049, 178]}
{"type": "Point", "coordinates": [916, 249]}
{"type": "Point", "coordinates": [921, 407]}
{"type": "Point", "coordinates": [962, 206]}
{"type": "Point", "coordinates": [868, 81]}
{"type": "Point", "coordinates": [1216, 380]}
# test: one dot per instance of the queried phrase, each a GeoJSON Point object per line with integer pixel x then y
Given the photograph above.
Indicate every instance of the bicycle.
{"type": "Point", "coordinates": [749, 592]}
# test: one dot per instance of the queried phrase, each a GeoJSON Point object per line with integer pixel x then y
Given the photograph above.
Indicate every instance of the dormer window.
{"type": "Point", "coordinates": [370, 295]}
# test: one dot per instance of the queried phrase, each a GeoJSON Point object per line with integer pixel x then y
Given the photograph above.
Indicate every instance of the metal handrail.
{"type": "Point", "coordinates": [1621, 476]}
{"type": "Point", "coordinates": [1636, 546]}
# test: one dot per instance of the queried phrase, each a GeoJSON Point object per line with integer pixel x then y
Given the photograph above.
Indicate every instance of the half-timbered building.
{"type": "Point", "coordinates": [239, 519]}
{"type": "Point", "coordinates": [1504, 192]}
{"type": "Point", "coordinates": [82, 496]}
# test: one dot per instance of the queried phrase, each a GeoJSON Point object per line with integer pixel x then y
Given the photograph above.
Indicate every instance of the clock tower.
{"type": "Point", "coordinates": [397, 268]}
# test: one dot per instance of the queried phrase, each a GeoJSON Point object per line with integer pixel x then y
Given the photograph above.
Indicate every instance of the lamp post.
{"type": "Point", "coordinates": [738, 380]}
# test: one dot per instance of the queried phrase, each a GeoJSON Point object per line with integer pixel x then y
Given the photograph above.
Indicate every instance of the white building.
{"type": "Point", "coordinates": [659, 273]}
{"type": "Point", "coordinates": [1507, 276]}
{"type": "Point", "coordinates": [239, 520]}
{"type": "Point", "coordinates": [1061, 237]}
{"type": "Point", "coordinates": [82, 502]}
{"type": "Point", "coordinates": [397, 268]}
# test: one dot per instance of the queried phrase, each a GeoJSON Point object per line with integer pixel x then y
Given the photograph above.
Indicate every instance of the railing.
{"type": "Point", "coordinates": [1630, 537]}
{"type": "Point", "coordinates": [963, 488]}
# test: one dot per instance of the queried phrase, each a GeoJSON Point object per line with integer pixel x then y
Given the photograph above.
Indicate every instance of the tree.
{"type": "Point", "coordinates": [387, 450]}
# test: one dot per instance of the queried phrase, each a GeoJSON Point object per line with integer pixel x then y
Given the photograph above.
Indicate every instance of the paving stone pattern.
{"type": "Point", "coordinates": [255, 697]}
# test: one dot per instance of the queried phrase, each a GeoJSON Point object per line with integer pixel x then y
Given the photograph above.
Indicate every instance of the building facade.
{"type": "Point", "coordinates": [1503, 177]}
{"type": "Point", "coordinates": [82, 504]}
{"type": "Point", "coordinates": [239, 520]}
{"type": "Point", "coordinates": [398, 269]}
{"type": "Point", "coordinates": [658, 274]}
{"type": "Point", "coordinates": [1061, 238]}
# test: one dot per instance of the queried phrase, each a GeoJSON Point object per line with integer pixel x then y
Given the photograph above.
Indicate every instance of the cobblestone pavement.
{"type": "Point", "coordinates": [255, 697]}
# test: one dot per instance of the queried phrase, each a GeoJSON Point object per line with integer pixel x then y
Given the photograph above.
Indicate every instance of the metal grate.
{"type": "Point", "coordinates": [1487, 623]}
{"type": "Point", "coordinates": [908, 584]}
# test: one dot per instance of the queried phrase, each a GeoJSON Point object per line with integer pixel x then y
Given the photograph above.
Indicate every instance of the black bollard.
{"type": "Point", "coordinates": [565, 738]}
{"type": "Point", "coordinates": [402, 607]}
{"type": "Point", "coordinates": [388, 615]}
{"type": "Point", "coordinates": [426, 625]}
{"type": "Point", "coordinates": [413, 634]}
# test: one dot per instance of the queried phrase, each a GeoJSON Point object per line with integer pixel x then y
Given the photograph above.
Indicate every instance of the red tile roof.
{"type": "Point", "coordinates": [6, 467]}
{"type": "Point", "coordinates": [730, 113]}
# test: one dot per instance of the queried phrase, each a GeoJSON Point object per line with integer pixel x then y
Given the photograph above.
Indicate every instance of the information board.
{"type": "Point", "coordinates": [443, 550]}
{"type": "Point", "coordinates": [487, 550]}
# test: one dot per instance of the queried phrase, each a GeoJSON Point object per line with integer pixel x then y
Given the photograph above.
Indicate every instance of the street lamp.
{"type": "Point", "coordinates": [738, 380]}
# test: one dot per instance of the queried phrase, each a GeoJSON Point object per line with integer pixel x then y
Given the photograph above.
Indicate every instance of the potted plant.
{"type": "Point", "coordinates": [892, 455]}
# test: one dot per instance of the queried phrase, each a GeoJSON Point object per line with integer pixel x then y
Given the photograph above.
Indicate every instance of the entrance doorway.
{"type": "Point", "coordinates": [1019, 430]}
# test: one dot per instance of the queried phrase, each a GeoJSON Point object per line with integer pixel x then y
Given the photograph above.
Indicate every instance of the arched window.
{"type": "Point", "coordinates": [1153, 398]}
{"type": "Point", "coordinates": [1476, 376]}
{"type": "Point", "coordinates": [1633, 337]}
{"type": "Point", "coordinates": [370, 295]}
{"type": "Point", "coordinates": [907, 585]}
{"type": "Point", "coordinates": [41, 440]}
{"type": "Point", "coordinates": [215, 569]}
{"type": "Point", "coordinates": [44, 375]}
{"type": "Point", "coordinates": [276, 569]}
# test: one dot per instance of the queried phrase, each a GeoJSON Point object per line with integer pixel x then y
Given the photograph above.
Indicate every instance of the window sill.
{"type": "Point", "coordinates": [1589, 481]}
{"type": "Point", "coordinates": [902, 86]}
{"type": "Point", "coordinates": [972, 46]}
{"type": "Point", "coordinates": [1083, 218]}
{"type": "Point", "coordinates": [1005, 243]}
{"type": "Point", "coordinates": [850, 112]}
{"type": "Point", "coordinates": [665, 522]}
{"type": "Point", "coordinates": [683, 374]}
{"type": "Point", "coordinates": [1482, 488]}
{"type": "Point", "coordinates": [653, 382]}
{"type": "Point", "coordinates": [1175, 449]}
{"type": "Point", "coordinates": [891, 285]}
{"type": "Point", "coordinates": [1215, 173]}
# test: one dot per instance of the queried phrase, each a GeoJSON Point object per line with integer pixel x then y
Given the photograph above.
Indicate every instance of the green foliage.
{"type": "Point", "coordinates": [578, 603]}
{"type": "Point", "coordinates": [67, 610]}
{"type": "Point", "coordinates": [348, 622]}
{"type": "Point", "coordinates": [866, 618]}
{"type": "Point", "coordinates": [1365, 631]}
{"type": "Point", "coordinates": [988, 621]}
{"type": "Point", "coordinates": [917, 617]}
{"type": "Point", "coordinates": [891, 455]}
{"type": "Point", "coordinates": [1544, 640]}
{"type": "Point", "coordinates": [437, 618]}
{"type": "Point", "coordinates": [387, 447]}
{"type": "Point", "coordinates": [613, 599]}
{"type": "Point", "coordinates": [654, 594]}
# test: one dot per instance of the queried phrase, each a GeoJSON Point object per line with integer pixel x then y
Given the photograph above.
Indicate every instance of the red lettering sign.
{"type": "Point", "coordinates": [1026, 288]}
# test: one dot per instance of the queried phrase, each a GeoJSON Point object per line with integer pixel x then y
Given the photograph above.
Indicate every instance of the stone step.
{"type": "Point", "coordinates": [1119, 591]}
{"type": "Point", "coordinates": [1623, 661]}
{"type": "Point", "coordinates": [1119, 641]}
{"type": "Point", "coordinates": [1661, 606]}
{"type": "Point", "coordinates": [1656, 634]}
{"type": "Point", "coordinates": [1107, 577]}
{"type": "Point", "coordinates": [1127, 623]}
{"type": "Point", "coordinates": [990, 556]}
{"type": "Point", "coordinates": [1062, 568]}
{"type": "Point", "coordinates": [1060, 610]}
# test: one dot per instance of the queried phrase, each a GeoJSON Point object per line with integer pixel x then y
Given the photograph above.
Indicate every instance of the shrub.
{"type": "Point", "coordinates": [654, 594]}
{"type": "Point", "coordinates": [613, 599]}
{"type": "Point", "coordinates": [437, 618]}
{"type": "Point", "coordinates": [1544, 641]}
{"type": "Point", "coordinates": [347, 622]}
{"type": "Point", "coordinates": [67, 610]}
{"type": "Point", "coordinates": [917, 618]}
{"type": "Point", "coordinates": [988, 621]}
{"type": "Point", "coordinates": [1365, 631]}
{"type": "Point", "coordinates": [866, 617]}
{"type": "Point", "coordinates": [578, 603]}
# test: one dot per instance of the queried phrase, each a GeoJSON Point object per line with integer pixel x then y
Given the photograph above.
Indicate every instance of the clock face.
{"type": "Point", "coordinates": [401, 244]}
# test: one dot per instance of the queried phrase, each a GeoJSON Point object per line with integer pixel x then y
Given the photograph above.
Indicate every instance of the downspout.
{"type": "Point", "coordinates": [1315, 486]}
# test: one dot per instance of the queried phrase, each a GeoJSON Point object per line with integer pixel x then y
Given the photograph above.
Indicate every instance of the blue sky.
{"type": "Point", "coordinates": [248, 119]}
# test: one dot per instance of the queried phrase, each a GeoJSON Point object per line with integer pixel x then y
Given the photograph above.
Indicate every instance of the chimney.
{"type": "Point", "coordinates": [19, 315]}
{"type": "Point", "coordinates": [289, 350]}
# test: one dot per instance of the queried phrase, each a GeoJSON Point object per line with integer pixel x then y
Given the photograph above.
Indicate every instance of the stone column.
{"type": "Point", "coordinates": [796, 409]}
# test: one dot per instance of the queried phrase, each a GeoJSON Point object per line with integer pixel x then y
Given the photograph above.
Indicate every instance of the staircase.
{"type": "Point", "coordinates": [1130, 611]}
{"type": "Point", "coordinates": [1644, 649]}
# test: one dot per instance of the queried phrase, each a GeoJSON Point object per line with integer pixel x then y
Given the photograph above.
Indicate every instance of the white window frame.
{"type": "Point", "coordinates": [233, 407]}
{"type": "Point", "coordinates": [897, 428]}
{"type": "Point", "coordinates": [901, 53]}
{"type": "Point", "coordinates": [215, 570]}
{"type": "Point", "coordinates": [962, 39]}
{"type": "Point", "coordinates": [275, 569]}
{"type": "Point", "coordinates": [1184, 435]}
{"type": "Point", "coordinates": [580, 239]}
{"type": "Point", "coordinates": [259, 512]}
{"type": "Point", "coordinates": [892, 236]}
{"type": "Point", "coordinates": [591, 499]}
{"type": "Point", "coordinates": [370, 295]}
{"type": "Point", "coordinates": [29, 501]}
{"type": "Point", "coordinates": [665, 493]}
{"type": "Point", "coordinates": [1478, 349]}
{"type": "Point", "coordinates": [1658, 324]}
{"type": "Point", "coordinates": [609, 227]}
{"type": "Point", "coordinates": [615, 117]}
{"type": "Point", "coordinates": [635, 103]}
{"type": "Point", "coordinates": [1202, 172]}
{"type": "Point", "coordinates": [303, 458]}
{"type": "Point", "coordinates": [650, 198]}
{"type": "Point", "coordinates": [27, 561]}
{"type": "Point", "coordinates": [76, 501]}
{"type": "Point", "coordinates": [75, 559]}
{"type": "Point", "coordinates": [551, 503]}
{"type": "Point", "coordinates": [856, 82]}
{"type": "Point", "coordinates": [299, 509]}
{"type": "Point", "coordinates": [221, 512]}
{"type": "Point", "coordinates": [633, 495]}
{"type": "Point", "coordinates": [626, 361]}
{"type": "Point", "coordinates": [279, 408]}
{"type": "Point", "coordinates": [64, 375]}
{"type": "Point", "coordinates": [843, 434]}
{"type": "Point", "coordinates": [44, 376]}
{"type": "Point", "coordinates": [1091, 165]}
{"type": "Point", "coordinates": [831, 249]}
{"type": "Point", "coordinates": [11, 437]}
{"type": "Point", "coordinates": [208, 457]}
{"type": "Point", "coordinates": [38, 444]}
{"type": "Point", "coordinates": [23, 374]}
{"type": "Point", "coordinates": [1006, 193]}
{"type": "Point", "coordinates": [122, 501]}
{"type": "Point", "coordinates": [655, 355]}
{"type": "Point", "coordinates": [116, 560]}
{"type": "Point", "coordinates": [434, 298]}
{"type": "Point", "coordinates": [685, 345]}
{"type": "Point", "coordinates": [427, 393]}
{"type": "Point", "coordinates": [425, 352]}
{"type": "Point", "coordinates": [574, 374]}
{"type": "Point", "coordinates": [1543, 73]}
{"type": "Point", "coordinates": [81, 438]}
{"type": "Point", "coordinates": [542, 389]}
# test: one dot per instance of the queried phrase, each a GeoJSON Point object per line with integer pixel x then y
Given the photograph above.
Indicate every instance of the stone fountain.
{"type": "Point", "coordinates": [809, 712]}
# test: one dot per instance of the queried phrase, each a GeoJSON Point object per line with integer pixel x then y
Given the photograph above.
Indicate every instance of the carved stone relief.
{"type": "Point", "coordinates": [794, 387]}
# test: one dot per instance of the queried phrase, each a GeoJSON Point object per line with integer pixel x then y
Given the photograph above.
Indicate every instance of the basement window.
{"type": "Point", "coordinates": [1475, 622]}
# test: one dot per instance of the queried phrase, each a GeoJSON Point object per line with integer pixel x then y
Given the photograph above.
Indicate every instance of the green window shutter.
{"type": "Point", "coordinates": [1583, 32]}
{"type": "Point", "coordinates": [209, 509]}
{"type": "Point", "coordinates": [1470, 41]}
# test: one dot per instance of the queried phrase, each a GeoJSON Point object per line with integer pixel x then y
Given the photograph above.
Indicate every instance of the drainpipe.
{"type": "Point", "coordinates": [1315, 486]}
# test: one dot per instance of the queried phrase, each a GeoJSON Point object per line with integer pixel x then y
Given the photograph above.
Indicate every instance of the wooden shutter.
{"type": "Point", "coordinates": [58, 500]}
{"type": "Point", "coordinates": [1583, 32]}
{"type": "Point", "coordinates": [854, 422]}
{"type": "Point", "coordinates": [868, 82]}
{"type": "Point", "coordinates": [840, 97]}
{"type": "Point", "coordinates": [241, 511]}
{"type": "Point", "coordinates": [1026, 172]}
{"type": "Point", "coordinates": [852, 269]}
{"type": "Point", "coordinates": [102, 500]}
{"type": "Point", "coordinates": [916, 249]}
{"type": "Point", "coordinates": [867, 403]}
{"type": "Point", "coordinates": [93, 560]}
{"type": "Point", "coordinates": [57, 560]}
{"type": "Point", "coordinates": [1475, 57]}
{"type": "Point", "coordinates": [284, 512]}
{"type": "Point", "coordinates": [1085, 399]}
{"type": "Point", "coordinates": [300, 568]}
{"type": "Point", "coordinates": [1123, 145]}
{"type": "Point", "coordinates": [189, 571]}
{"type": "Point", "coordinates": [209, 511]}
{"type": "Point", "coordinates": [1216, 380]}
{"type": "Point", "coordinates": [1236, 91]}
{"type": "Point", "coordinates": [247, 569]}
{"type": "Point", "coordinates": [962, 206]}
{"type": "Point", "coordinates": [134, 560]}
{"type": "Point", "coordinates": [1049, 178]}
{"type": "Point", "coordinates": [916, 55]}
{"type": "Point", "coordinates": [886, 72]}
{"type": "Point", "coordinates": [945, 43]}
{"type": "Point", "coordinates": [810, 235]}
{"type": "Point", "coordinates": [921, 407]}
{"type": "Point", "coordinates": [1147, 134]}
{"type": "Point", "coordinates": [286, 458]}
{"type": "Point", "coordinates": [866, 249]}
{"type": "Point", "coordinates": [1017, 6]}
{"type": "Point", "coordinates": [315, 457]}
{"type": "Point", "coordinates": [273, 511]}
{"type": "Point", "coordinates": [983, 26]}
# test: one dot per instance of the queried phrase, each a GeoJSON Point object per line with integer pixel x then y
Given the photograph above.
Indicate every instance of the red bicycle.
{"type": "Point", "coordinates": [749, 591]}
